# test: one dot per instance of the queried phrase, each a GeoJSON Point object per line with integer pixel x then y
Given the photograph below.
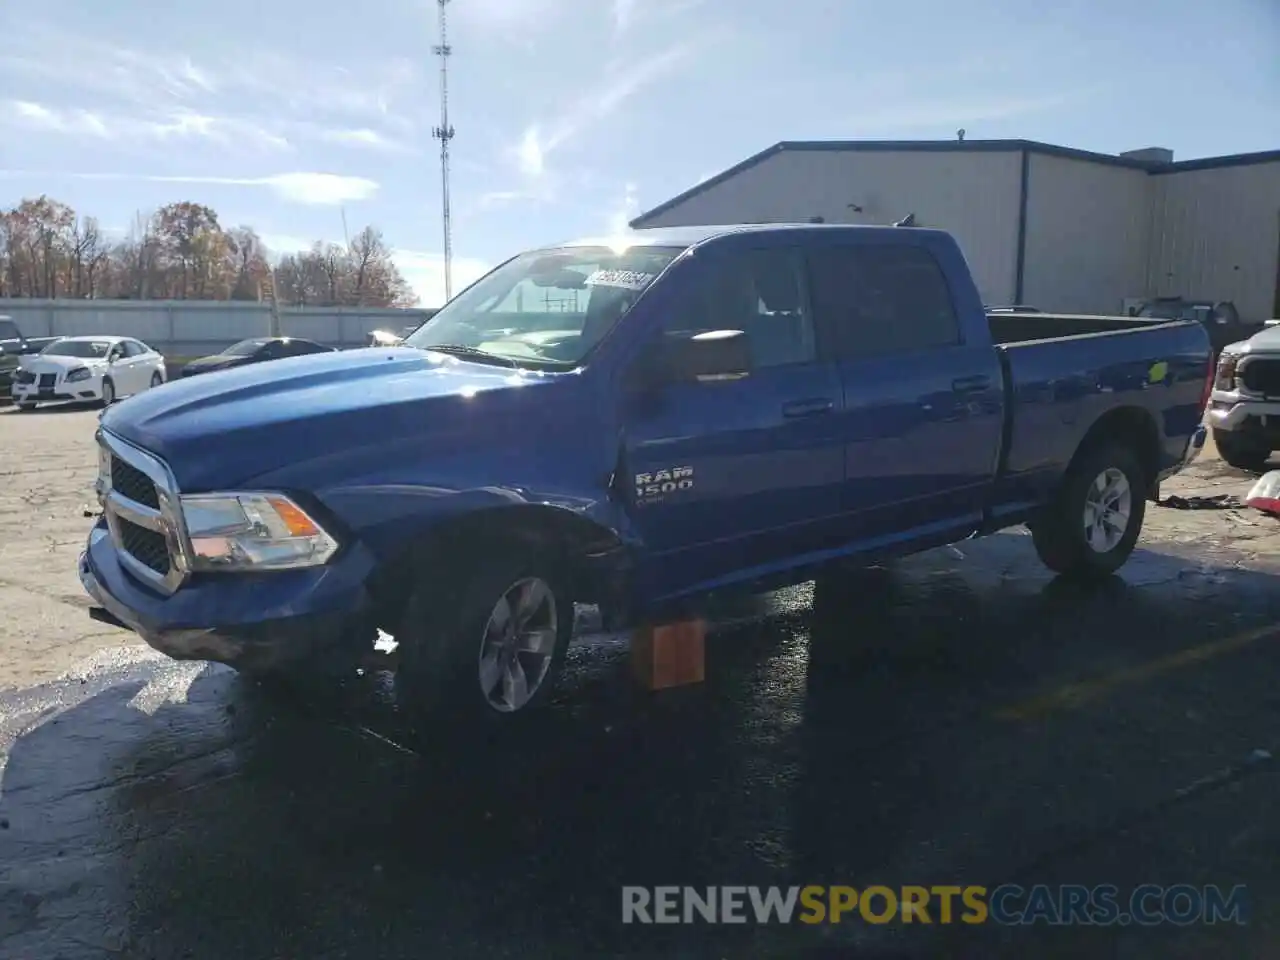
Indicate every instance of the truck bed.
{"type": "Point", "coordinates": [1007, 328]}
{"type": "Point", "coordinates": [1063, 372]}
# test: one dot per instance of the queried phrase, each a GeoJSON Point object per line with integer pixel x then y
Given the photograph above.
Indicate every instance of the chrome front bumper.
{"type": "Point", "coordinates": [1228, 418]}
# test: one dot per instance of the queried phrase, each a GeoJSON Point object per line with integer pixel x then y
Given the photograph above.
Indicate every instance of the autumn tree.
{"type": "Point", "coordinates": [183, 252]}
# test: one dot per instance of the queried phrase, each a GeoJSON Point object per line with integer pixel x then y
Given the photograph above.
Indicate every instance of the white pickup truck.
{"type": "Point", "coordinates": [1244, 408]}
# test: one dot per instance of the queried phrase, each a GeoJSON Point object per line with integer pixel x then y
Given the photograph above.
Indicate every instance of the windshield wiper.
{"type": "Point", "coordinates": [461, 350]}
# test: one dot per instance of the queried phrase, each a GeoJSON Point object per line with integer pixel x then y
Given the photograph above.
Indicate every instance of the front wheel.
{"type": "Point", "coordinates": [108, 393]}
{"type": "Point", "coordinates": [26, 407]}
{"type": "Point", "coordinates": [488, 645]}
{"type": "Point", "coordinates": [1240, 452]}
{"type": "Point", "coordinates": [156, 379]}
{"type": "Point", "coordinates": [1090, 528]}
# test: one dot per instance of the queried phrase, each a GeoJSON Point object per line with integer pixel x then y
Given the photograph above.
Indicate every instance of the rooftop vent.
{"type": "Point", "coordinates": [1150, 154]}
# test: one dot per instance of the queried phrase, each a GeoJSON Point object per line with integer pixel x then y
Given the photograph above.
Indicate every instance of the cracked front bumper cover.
{"type": "Point", "coordinates": [249, 641]}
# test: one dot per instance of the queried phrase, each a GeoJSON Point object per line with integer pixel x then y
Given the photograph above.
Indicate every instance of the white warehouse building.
{"type": "Point", "coordinates": [1054, 227]}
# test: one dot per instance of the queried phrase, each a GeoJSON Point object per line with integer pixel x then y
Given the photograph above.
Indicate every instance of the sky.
{"type": "Point", "coordinates": [572, 116]}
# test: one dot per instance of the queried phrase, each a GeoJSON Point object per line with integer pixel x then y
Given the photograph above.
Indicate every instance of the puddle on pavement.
{"type": "Point", "coordinates": [161, 809]}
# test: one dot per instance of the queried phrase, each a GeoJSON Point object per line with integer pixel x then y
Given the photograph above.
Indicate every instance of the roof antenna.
{"type": "Point", "coordinates": [908, 221]}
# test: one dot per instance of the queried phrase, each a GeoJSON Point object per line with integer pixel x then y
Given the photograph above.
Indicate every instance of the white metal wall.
{"type": "Point", "coordinates": [195, 327]}
{"type": "Point", "coordinates": [1217, 236]}
{"type": "Point", "coordinates": [972, 195]}
{"type": "Point", "coordinates": [1088, 230]}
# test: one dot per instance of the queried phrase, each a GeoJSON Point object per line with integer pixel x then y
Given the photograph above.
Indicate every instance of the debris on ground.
{"type": "Point", "coordinates": [1222, 501]}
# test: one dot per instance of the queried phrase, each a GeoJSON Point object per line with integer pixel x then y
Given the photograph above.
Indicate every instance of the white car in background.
{"type": "Point", "coordinates": [86, 369]}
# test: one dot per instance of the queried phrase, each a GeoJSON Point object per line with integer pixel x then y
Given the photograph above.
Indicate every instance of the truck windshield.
{"type": "Point", "coordinates": [546, 308]}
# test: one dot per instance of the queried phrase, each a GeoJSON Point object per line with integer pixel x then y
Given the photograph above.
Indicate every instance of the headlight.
{"type": "Point", "coordinates": [103, 482]}
{"type": "Point", "coordinates": [253, 531]}
{"type": "Point", "coordinates": [1226, 375]}
{"type": "Point", "coordinates": [78, 374]}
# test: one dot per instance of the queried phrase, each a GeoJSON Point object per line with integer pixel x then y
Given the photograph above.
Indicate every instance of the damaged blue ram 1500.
{"type": "Point", "coordinates": [633, 422]}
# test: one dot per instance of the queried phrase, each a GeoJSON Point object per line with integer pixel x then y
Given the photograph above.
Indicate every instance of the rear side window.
{"type": "Point", "coordinates": [881, 300]}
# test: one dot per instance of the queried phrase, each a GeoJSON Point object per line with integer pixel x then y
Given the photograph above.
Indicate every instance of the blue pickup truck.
{"type": "Point", "coordinates": [634, 422]}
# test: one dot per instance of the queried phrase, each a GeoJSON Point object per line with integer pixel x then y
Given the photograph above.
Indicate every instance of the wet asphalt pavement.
{"type": "Point", "coordinates": [958, 718]}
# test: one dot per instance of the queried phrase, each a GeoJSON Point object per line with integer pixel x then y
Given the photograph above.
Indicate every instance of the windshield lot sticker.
{"type": "Point", "coordinates": [654, 487]}
{"type": "Point", "coordinates": [626, 279]}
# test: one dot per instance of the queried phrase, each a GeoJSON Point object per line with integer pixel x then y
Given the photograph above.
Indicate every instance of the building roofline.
{"type": "Point", "coordinates": [955, 146]}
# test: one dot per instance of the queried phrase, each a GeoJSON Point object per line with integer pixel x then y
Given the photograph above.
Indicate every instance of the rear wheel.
{"type": "Point", "coordinates": [485, 645]}
{"type": "Point", "coordinates": [1093, 523]}
{"type": "Point", "coordinates": [1240, 451]}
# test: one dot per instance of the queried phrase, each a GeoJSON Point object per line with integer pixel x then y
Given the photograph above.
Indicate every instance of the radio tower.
{"type": "Point", "coordinates": [444, 133]}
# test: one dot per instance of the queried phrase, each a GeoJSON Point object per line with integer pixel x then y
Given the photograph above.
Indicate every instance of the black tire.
{"type": "Point", "coordinates": [1059, 533]}
{"type": "Point", "coordinates": [443, 629]}
{"type": "Point", "coordinates": [1241, 452]}
{"type": "Point", "coordinates": [26, 407]}
{"type": "Point", "coordinates": [156, 379]}
{"type": "Point", "coordinates": [108, 392]}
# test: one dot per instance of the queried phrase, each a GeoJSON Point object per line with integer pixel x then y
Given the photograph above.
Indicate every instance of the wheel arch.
{"type": "Point", "coordinates": [1136, 428]}
{"type": "Point", "coordinates": [593, 554]}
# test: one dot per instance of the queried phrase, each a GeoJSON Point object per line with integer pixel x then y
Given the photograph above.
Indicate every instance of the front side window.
{"type": "Point", "coordinates": [86, 349]}
{"type": "Point", "coordinates": [758, 292]}
{"type": "Point", "coordinates": [547, 308]}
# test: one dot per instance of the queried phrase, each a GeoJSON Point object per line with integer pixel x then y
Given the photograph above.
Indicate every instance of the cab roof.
{"type": "Point", "coordinates": [688, 236]}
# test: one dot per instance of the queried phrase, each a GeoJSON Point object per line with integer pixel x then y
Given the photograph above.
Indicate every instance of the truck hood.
{"type": "Point", "coordinates": [216, 432]}
{"type": "Point", "coordinates": [1266, 340]}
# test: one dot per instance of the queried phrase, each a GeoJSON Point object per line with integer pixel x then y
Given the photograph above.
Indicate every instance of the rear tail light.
{"type": "Point", "coordinates": [1226, 375]}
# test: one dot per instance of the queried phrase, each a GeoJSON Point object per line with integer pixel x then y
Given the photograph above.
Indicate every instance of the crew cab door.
{"type": "Point", "coordinates": [726, 476]}
{"type": "Point", "coordinates": [923, 396]}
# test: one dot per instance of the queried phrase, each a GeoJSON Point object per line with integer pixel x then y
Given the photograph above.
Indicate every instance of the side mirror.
{"type": "Point", "coordinates": [713, 355]}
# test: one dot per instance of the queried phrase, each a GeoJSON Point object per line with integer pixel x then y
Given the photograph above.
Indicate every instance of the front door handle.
{"type": "Point", "coordinates": [808, 408]}
{"type": "Point", "coordinates": [971, 384]}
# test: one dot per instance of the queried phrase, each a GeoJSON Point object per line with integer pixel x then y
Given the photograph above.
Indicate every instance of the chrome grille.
{"type": "Point", "coordinates": [140, 502]}
{"type": "Point", "coordinates": [1260, 375]}
{"type": "Point", "coordinates": [132, 483]}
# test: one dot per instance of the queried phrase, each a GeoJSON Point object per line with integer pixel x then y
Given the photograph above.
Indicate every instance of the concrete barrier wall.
{"type": "Point", "coordinates": [196, 328]}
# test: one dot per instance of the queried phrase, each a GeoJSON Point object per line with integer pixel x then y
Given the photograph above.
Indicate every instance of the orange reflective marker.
{"type": "Point", "coordinates": [670, 655]}
{"type": "Point", "coordinates": [298, 523]}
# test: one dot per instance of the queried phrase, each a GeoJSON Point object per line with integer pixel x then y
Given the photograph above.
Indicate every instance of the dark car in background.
{"type": "Point", "coordinates": [1220, 318]}
{"type": "Point", "coordinates": [255, 350]}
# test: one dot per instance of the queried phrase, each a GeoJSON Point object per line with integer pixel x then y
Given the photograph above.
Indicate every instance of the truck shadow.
{"type": "Point", "coordinates": [846, 737]}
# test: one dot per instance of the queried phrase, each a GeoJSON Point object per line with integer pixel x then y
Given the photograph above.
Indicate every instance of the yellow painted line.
{"type": "Point", "coordinates": [1075, 694]}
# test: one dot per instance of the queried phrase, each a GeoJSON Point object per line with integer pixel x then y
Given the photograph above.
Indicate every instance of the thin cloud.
{"type": "Point", "coordinates": [943, 113]}
{"type": "Point", "coordinates": [163, 126]}
{"type": "Point", "coordinates": [363, 138]}
{"type": "Point", "coordinates": [538, 141]}
{"type": "Point", "coordinates": [628, 209]}
{"type": "Point", "coordinates": [247, 97]}
{"type": "Point", "coordinates": [622, 13]}
{"type": "Point", "coordinates": [327, 189]}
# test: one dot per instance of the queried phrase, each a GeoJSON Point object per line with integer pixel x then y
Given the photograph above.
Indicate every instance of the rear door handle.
{"type": "Point", "coordinates": [971, 384]}
{"type": "Point", "coordinates": [808, 408]}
